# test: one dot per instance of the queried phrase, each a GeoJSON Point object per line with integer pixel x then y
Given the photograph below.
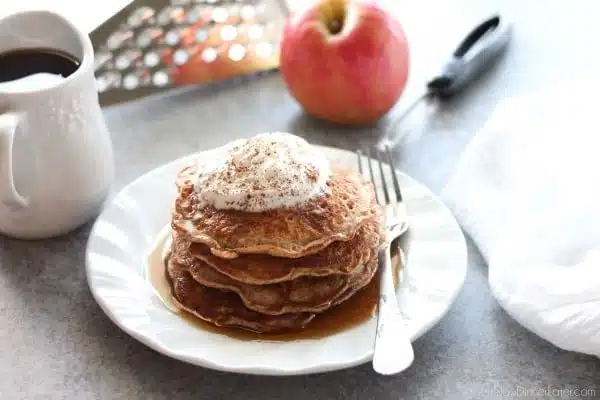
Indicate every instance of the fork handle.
{"type": "Point", "coordinates": [393, 351]}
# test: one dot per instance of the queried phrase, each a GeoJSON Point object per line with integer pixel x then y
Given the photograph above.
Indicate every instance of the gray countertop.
{"type": "Point", "coordinates": [57, 344]}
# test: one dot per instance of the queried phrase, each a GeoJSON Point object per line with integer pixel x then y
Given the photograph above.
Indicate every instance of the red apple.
{"type": "Point", "coordinates": [345, 61]}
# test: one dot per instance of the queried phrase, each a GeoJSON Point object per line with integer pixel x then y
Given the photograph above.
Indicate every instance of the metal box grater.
{"type": "Point", "coordinates": [153, 45]}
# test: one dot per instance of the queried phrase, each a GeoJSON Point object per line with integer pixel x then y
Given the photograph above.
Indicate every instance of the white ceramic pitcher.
{"type": "Point", "coordinates": [56, 157]}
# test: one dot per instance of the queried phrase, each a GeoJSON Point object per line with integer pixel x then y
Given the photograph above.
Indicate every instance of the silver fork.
{"type": "Point", "coordinates": [393, 351]}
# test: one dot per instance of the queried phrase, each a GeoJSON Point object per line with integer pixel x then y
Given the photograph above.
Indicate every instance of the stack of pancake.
{"type": "Point", "coordinates": [274, 270]}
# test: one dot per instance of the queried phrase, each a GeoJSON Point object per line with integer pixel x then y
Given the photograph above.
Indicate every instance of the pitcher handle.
{"type": "Point", "coordinates": [9, 196]}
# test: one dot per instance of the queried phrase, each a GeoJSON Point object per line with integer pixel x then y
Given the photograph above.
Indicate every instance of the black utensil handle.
{"type": "Point", "coordinates": [482, 46]}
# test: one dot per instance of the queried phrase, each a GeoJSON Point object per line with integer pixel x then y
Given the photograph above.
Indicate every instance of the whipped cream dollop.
{"type": "Point", "coordinates": [267, 171]}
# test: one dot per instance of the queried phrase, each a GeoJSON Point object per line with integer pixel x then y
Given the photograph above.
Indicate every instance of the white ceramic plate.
{"type": "Point", "coordinates": [125, 232]}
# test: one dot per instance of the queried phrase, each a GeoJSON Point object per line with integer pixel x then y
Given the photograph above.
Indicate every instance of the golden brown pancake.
{"type": "Point", "coordinates": [275, 270]}
{"type": "Point", "coordinates": [341, 258]}
{"type": "Point", "coordinates": [304, 294]}
{"type": "Point", "coordinates": [223, 308]}
{"type": "Point", "coordinates": [285, 232]}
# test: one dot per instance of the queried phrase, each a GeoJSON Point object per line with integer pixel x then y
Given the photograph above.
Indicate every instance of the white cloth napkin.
{"type": "Point", "coordinates": [527, 190]}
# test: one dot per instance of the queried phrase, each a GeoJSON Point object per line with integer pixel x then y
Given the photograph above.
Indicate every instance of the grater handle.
{"type": "Point", "coordinates": [473, 56]}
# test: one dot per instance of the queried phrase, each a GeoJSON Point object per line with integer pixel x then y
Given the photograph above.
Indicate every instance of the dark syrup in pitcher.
{"type": "Point", "coordinates": [23, 64]}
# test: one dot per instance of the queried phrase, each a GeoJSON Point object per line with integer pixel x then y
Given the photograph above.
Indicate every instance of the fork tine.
{"type": "Point", "coordinates": [373, 179]}
{"type": "Point", "coordinates": [395, 180]}
{"type": "Point", "coordinates": [383, 180]}
{"type": "Point", "coordinates": [359, 159]}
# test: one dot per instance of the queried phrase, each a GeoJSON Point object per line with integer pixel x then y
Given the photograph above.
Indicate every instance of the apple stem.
{"type": "Point", "coordinates": [335, 26]}
{"type": "Point", "coordinates": [333, 15]}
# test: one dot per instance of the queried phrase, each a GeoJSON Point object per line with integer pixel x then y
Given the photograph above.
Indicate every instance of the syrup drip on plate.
{"type": "Point", "coordinates": [357, 310]}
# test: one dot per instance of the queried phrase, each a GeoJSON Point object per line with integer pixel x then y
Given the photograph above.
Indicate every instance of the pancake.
{"type": "Point", "coordinates": [341, 258]}
{"type": "Point", "coordinates": [266, 235]}
{"type": "Point", "coordinates": [223, 308]}
{"type": "Point", "coordinates": [304, 294]}
{"type": "Point", "coordinates": [290, 232]}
